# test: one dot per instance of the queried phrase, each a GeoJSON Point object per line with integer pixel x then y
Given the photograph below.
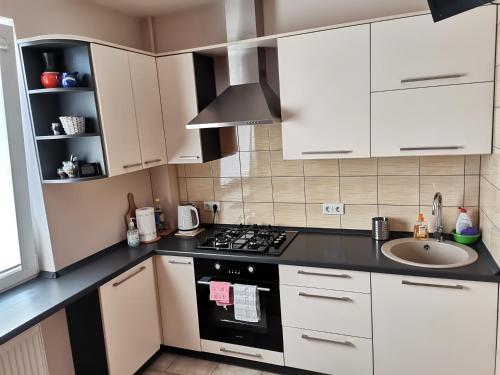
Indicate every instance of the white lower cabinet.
{"type": "Point", "coordinates": [179, 310]}
{"type": "Point", "coordinates": [129, 310]}
{"type": "Point", "coordinates": [244, 352]}
{"type": "Point", "coordinates": [433, 326]}
{"type": "Point", "coordinates": [327, 353]}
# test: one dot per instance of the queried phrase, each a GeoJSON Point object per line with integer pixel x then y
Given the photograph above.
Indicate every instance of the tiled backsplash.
{"type": "Point", "coordinates": [255, 185]}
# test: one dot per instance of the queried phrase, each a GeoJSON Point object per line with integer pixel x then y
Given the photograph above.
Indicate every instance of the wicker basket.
{"type": "Point", "coordinates": [73, 125]}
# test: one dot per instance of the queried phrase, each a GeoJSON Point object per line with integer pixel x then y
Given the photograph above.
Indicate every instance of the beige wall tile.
{"type": "Point", "coordinates": [472, 164]}
{"type": "Point", "coordinates": [402, 218]}
{"type": "Point", "coordinates": [257, 189]}
{"type": "Point", "coordinates": [290, 214]}
{"type": "Point", "coordinates": [200, 189]}
{"type": "Point", "coordinates": [490, 168]}
{"type": "Point", "coordinates": [255, 164]}
{"type": "Point", "coordinates": [181, 172]}
{"type": "Point", "coordinates": [322, 189]}
{"type": "Point", "coordinates": [496, 127]}
{"type": "Point", "coordinates": [228, 166]}
{"type": "Point", "coordinates": [358, 190]}
{"type": "Point", "coordinates": [228, 189]}
{"type": "Point", "coordinates": [231, 213]}
{"type": "Point", "coordinates": [471, 194]}
{"type": "Point", "coordinates": [490, 201]}
{"type": "Point", "coordinates": [259, 213]}
{"type": "Point", "coordinates": [451, 187]}
{"type": "Point", "coordinates": [253, 138]}
{"type": "Point", "coordinates": [321, 167]}
{"type": "Point", "coordinates": [198, 170]}
{"type": "Point", "coordinates": [497, 75]}
{"type": "Point", "coordinates": [358, 216]}
{"type": "Point", "coordinates": [288, 189]}
{"type": "Point", "coordinates": [275, 139]}
{"type": "Point", "coordinates": [399, 190]}
{"type": "Point", "coordinates": [358, 167]}
{"type": "Point", "coordinates": [280, 167]}
{"type": "Point", "coordinates": [181, 183]}
{"type": "Point", "coordinates": [400, 166]}
{"type": "Point", "coordinates": [316, 219]}
{"type": "Point", "coordinates": [442, 165]}
{"type": "Point", "coordinates": [490, 236]}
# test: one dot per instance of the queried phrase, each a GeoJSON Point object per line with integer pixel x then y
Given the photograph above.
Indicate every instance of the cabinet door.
{"type": "Point", "coordinates": [325, 94]}
{"type": "Point", "coordinates": [443, 120]}
{"type": "Point", "coordinates": [179, 310]}
{"type": "Point", "coordinates": [116, 106]}
{"type": "Point", "coordinates": [433, 326]}
{"type": "Point", "coordinates": [148, 109]}
{"type": "Point", "coordinates": [180, 105]}
{"type": "Point", "coordinates": [130, 319]}
{"type": "Point", "coordinates": [416, 52]}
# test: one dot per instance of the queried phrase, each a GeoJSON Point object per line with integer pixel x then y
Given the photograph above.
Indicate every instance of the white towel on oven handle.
{"type": "Point", "coordinates": [246, 303]}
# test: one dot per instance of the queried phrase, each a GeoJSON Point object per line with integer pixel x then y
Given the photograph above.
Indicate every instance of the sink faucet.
{"type": "Point", "coordinates": [437, 210]}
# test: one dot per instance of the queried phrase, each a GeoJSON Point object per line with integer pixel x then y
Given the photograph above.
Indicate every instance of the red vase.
{"type": "Point", "coordinates": [50, 80]}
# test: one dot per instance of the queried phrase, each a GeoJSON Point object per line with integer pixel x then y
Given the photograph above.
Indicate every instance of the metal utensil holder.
{"type": "Point", "coordinates": [380, 228]}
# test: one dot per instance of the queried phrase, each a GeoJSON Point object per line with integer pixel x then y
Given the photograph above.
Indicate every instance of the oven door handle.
{"type": "Point", "coordinates": [206, 281]}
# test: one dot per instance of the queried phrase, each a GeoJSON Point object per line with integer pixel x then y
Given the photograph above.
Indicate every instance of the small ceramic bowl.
{"type": "Point", "coordinates": [465, 240]}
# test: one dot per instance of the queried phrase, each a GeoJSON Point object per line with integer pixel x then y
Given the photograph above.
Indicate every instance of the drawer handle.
{"type": "Point", "coordinates": [253, 355]}
{"type": "Point", "coordinates": [346, 343]}
{"type": "Point", "coordinates": [327, 152]}
{"type": "Point", "coordinates": [132, 165]}
{"type": "Point", "coordinates": [343, 275]}
{"type": "Point", "coordinates": [178, 262]}
{"type": "Point", "coordinates": [430, 148]}
{"type": "Point", "coordinates": [129, 276]}
{"type": "Point", "coordinates": [458, 286]}
{"type": "Point", "coordinates": [188, 157]}
{"type": "Point", "coordinates": [432, 78]}
{"type": "Point", "coordinates": [345, 299]}
{"type": "Point", "coordinates": [152, 161]}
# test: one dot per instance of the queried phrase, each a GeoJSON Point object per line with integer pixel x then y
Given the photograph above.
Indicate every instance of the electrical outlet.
{"type": "Point", "coordinates": [333, 208]}
{"type": "Point", "coordinates": [209, 206]}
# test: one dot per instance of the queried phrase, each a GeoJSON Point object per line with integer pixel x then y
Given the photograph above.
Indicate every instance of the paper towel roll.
{"type": "Point", "coordinates": [146, 223]}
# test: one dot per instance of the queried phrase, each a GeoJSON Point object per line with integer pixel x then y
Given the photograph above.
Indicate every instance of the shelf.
{"type": "Point", "coordinates": [68, 180]}
{"type": "Point", "coordinates": [59, 90]}
{"type": "Point", "coordinates": [55, 137]}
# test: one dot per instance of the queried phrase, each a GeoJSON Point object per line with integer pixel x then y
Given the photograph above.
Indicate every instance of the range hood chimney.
{"type": "Point", "coordinates": [248, 100]}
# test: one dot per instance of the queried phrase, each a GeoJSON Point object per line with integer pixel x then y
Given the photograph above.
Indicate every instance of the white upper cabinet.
{"type": "Point", "coordinates": [117, 109]}
{"type": "Point", "coordinates": [325, 94]}
{"type": "Point", "coordinates": [416, 52]}
{"type": "Point", "coordinates": [148, 109]}
{"type": "Point", "coordinates": [433, 326]}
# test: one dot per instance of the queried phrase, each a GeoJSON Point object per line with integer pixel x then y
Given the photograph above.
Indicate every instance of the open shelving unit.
{"type": "Point", "coordinates": [47, 105]}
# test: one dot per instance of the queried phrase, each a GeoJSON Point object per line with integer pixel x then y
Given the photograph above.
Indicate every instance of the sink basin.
{"type": "Point", "coordinates": [429, 253]}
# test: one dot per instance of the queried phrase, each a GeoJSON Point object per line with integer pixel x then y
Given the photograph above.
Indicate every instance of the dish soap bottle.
{"type": "Point", "coordinates": [463, 221]}
{"type": "Point", "coordinates": [132, 234]}
{"type": "Point", "coordinates": [420, 229]}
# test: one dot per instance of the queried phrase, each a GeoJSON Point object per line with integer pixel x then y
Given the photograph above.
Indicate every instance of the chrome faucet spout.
{"type": "Point", "coordinates": [437, 210]}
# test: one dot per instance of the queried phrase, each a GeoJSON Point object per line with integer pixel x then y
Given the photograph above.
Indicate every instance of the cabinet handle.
{"type": "Point", "coordinates": [326, 152]}
{"type": "Point", "coordinates": [307, 337]}
{"type": "Point", "coordinates": [129, 276]}
{"type": "Point", "coordinates": [188, 157]}
{"type": "Point", "coordinates": [152, 161]}
{"type": "Point", "coordinates": [343, 275]}
{"type": "Point", "coordinates": [432, 78]}
{"type": "Point", "coordinates": [424, 148]}
{"type": "Point", "coordinates": [458, 286]}
{"type": "Point", "coordinates": [256, 355]}
{"type": "Point", "coordinates": [345, 299]}
{"type": "Point", "coordinates": [132, 165]}
{"type": "Point", "coordinates": [177, 262]}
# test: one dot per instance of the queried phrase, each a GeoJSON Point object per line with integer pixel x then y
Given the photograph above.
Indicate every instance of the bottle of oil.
{"type": "Point", "coordinates": [421, 229]}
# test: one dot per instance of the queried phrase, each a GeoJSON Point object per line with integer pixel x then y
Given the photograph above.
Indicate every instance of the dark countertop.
{"type": "Point", "coordinates": [31, 302]}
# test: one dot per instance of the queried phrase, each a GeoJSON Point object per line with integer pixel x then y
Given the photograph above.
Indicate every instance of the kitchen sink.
{"type": "Point", "coordinates": [429, 253]}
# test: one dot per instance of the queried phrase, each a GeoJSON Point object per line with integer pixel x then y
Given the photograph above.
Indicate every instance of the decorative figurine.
{"type": "Point", "coordinates": [56, 128]}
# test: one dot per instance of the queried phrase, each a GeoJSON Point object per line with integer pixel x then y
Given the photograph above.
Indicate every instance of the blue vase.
{"type": "Point", "coordinates": [69, 79]}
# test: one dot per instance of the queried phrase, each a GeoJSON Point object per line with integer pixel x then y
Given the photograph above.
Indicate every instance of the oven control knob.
{"type": "Point", "coordinates": [217, 266]}
{"type": "Point", "coordinates": [251, 269]}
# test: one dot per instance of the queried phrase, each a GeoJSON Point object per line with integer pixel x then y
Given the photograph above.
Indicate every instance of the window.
{"type": "Point", "coordinates": [17, 253]}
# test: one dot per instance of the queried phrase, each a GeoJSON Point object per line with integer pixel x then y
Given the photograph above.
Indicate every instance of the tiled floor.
{"type": "Point", "coordinates": [173, 364]}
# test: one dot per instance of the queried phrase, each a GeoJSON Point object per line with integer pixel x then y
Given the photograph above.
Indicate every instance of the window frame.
{"type": "Point", "coordinates": [9, 73]}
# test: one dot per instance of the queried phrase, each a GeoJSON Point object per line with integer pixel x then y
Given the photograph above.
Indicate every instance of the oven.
{"type": "Point", "coordinates": [218, 323]}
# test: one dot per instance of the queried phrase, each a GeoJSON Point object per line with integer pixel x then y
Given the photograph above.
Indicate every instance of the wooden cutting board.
{"type": "Point", "coordinates": [131, 209]}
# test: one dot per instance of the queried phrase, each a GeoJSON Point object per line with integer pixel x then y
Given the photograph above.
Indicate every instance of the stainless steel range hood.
{"type": "Point", "coordinates": [248, 100]}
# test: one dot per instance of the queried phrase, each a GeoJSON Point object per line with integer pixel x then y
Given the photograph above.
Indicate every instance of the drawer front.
{"type": "Point", "coordinates": [325, 278]}
{"type": "Point", "coordinates": [326, 310]}
{"type": "Point", "coordinates": [327, 353]}
{"type": "Point", "coordinates": [243, 352]}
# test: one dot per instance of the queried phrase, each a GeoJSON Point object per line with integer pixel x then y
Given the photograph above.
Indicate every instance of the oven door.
{"type": "Point", "coordinates": [218, 323]}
